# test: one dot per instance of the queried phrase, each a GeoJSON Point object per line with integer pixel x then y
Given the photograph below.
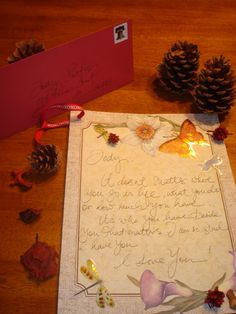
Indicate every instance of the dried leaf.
{"type": "Point", "coordinates": [182, 284]}
{"type": "Point", "coordinates": [134, 281]}
{"type": "Point", "coordinates": [186, 305]}
{"type": "Point", "coordinates": [29, 215]}
{"type": "Point", "coordinates": [175, 301]}
{"type": "Point", "coordinates": [20, 178]}
{"type": "Point", "coordinates": [166, 312]}
{"type": "Point", "coordinates": [192, 305]}
{"type": "Point", "coordinates": [218, 282]}
{"type": "Point", "coordinates": [176, 127]}
{"type": "Point", "coordinates": [100, 129]}
{"type": "Point", "coordinates": [179, 301]}
{"type": "Point", "coordinates": [40, 260]}
{"type": "Point", "coordinates": [195, 292]}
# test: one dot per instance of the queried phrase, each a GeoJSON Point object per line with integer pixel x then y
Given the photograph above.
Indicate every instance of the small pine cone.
{"type": "Point", "coordinates": [44, 159]}
{"type": "Point", "coordinates": [215, 89]}
{"type": "Point", "coordinates": [25, 49]}
{"type": "Point", "coordinates": [177, 72]}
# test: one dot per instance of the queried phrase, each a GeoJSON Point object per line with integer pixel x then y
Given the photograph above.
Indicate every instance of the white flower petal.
{"type": "Point", "coordinates": [152, 121]}
{"type": "Point", "coordinates": [158, 139]}
{"type": "Point", "coordinates": [149, 147]}
{"type": "Point", "coordinates": [131, 139]}
{"type": "Point", "coordinates": [133, 122]}
{"type": "Point", "coordinates": [165, 128]}
{"type": "Point", "coordinates": [162, 131]}
{"type": "Point", "coordinates": [162, 135]}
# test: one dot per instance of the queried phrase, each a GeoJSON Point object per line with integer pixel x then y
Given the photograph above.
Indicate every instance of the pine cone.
{"type": "Point", "coordinates": [25, 49]}
{"type": "Point", "coordinates": [177, 72]}
{"type": "Point", "coordinates": [215, 89]}
{"type": "Point", "coordinates": [44, 159]}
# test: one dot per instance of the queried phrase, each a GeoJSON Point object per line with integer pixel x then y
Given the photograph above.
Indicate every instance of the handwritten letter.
{"type": "Point", "coordinates": [140, 212]}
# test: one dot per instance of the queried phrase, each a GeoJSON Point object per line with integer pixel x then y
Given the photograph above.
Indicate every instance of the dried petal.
{"type": "Point", "coordinates": [29, 215]}
{"type": "Point", "coordinates": [151, 289]}
{"type": "Point", "coordinates": [220, 133]}
{"type": "Point", "coordinates": [154, 291]}
{"type": "Point", "coordinates": [215, 298]}
{"type": "Point", "coordinates": [113, 139]}
{"type": "Point", "coordinates": [19, 178]}
{"type": "Point", "coordinates": [40, 260]}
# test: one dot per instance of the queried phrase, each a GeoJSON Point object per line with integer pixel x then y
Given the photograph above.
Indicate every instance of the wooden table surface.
{"type": "Point", "coordinates": [211, 24]}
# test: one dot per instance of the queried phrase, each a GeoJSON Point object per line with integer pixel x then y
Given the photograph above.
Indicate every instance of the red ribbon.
{"type": "Point", "coordinates": [45, 125]}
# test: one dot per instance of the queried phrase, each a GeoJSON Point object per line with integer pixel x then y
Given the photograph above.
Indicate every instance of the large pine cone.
{"type": "Point", "coordinates": [44, 159]}
{"type": "Point", "coordinates": [25, 49]}
{"type": "Point", "coordinates": [215, 90]}
{"type": "Point", "coordinates": [177, 72]}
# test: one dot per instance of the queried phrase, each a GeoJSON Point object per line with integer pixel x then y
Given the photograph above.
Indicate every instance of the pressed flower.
{"type": "Point", "coordinates": [148, 132]}
{"type": "Point", "coordinates": [220, 133]}
{"type": "Point", "coordinates": [154, 291]}
{"type": "Point", "coordinates": [214, 298]}
{"type": "Point", "coordinates": [145, 131]}
{"type": "Point", "coordinates": [113, 139]}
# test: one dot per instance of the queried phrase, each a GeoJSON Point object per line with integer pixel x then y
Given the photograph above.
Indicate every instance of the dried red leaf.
{"type": "Point", "coordinates": [40, 260]}
{"type": "Point", "coordinates": [19, 179]}
{"type": "Point", "coordinates": [29, 215]}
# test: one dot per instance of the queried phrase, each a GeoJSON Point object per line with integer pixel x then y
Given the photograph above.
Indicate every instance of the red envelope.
{"type": "Point", "coordinates": [77, 71]}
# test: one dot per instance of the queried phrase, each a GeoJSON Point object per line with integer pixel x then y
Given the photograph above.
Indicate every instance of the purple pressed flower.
{"type": "Point", "coordinates": [154, 291]}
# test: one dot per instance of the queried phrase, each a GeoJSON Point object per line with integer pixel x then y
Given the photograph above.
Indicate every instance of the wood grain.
{"type": "Point", "coordinates": [156, 25]}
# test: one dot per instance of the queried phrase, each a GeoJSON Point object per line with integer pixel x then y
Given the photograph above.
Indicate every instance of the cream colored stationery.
{"type": "Point", "coordinates": [145, 196]}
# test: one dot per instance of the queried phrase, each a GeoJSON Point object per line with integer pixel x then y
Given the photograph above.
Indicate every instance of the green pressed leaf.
{"type": "Point", "coordinates": [218, 282]}
{"type": "Point", "coordinates": [180, 283]}
{"type": "Point", "coordinates": [134, 281]}
{"type": "Point", "coordinates": [176, 126]}
{"type": "Point", "coordinates": [192, 305]}
{"type": "Point", "coordinates": [175, 301]}
{"type": "Point", "coordinates": [185, 304]}
{"type": "Point", "coordinates": [166, 312]}
{"type": "Point", "coordinates": [101, 130]}
{"type": "Point", "coordinates": [182, 301]}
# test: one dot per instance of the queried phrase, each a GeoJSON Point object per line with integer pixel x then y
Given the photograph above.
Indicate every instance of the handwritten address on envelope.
{"type": "Point", "coordinates": [140, 212]}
